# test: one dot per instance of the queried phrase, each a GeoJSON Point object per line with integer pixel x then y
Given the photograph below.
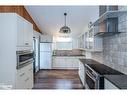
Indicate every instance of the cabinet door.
{"type": "Point", "coordinates": [25, 77]}
{"type": "Point", "coordinates": [62, 62]}
{"type": "Point", "coordinates": [69, 63]}
{"type": "Point", "coordinates": [75, 63]}
{"type": "Point", "coordinates": [56, 63]}
{"type": "Point", "coordinates": [46, 38]}
{"type": "Point", "coordinates": [21, 76]}
{"type": "Point", "coordinates": [109, 85]}
{"type": "Point", "coordinates": [59, 63]}
{"type": "Point", "coordinates": [30, 34]}
{"type": "Point", "coordinates": [26, 34]}
{"type": "Point", "coordinates": [29, 80]}
{"type": "Point", "coordinates": [82, 73]}
{"type": "Point", "coordinates": [20, 81]}
{"type": "Point", "coordinates": [20, 31]}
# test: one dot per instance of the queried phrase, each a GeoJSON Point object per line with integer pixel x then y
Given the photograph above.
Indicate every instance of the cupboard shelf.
{"type": "Point", "coordinates": [109, 14]}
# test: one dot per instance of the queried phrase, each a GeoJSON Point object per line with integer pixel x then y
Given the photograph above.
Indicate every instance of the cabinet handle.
{"type": "Point", "coordinates": [26, 79]}
{"type": "Point", "coordinates": [30, 69]}
{"type": "Point", "coordinates": [26, 43]}
{"type": "Point", "coordinates": [22, 74]}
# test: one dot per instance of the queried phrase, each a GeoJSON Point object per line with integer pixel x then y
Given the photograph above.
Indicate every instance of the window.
{"type": "Point", "coordinates": [63, 43]}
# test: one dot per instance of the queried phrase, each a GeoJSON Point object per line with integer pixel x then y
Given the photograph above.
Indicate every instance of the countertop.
{"type": "Point", "coordinates": [117, 78]}
{"type": "Point", "coordinates": [100, 68]}
{"type": "Point", "coordinates": [68, 55]}
{"type": "Point", "coordinates": [119, 81]}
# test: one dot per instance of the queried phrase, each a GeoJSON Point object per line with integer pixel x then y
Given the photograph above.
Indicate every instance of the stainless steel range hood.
{"type": "Point", "coordinates": [108, 23]}
{"type": "Point", "coordinates": [108, 27]}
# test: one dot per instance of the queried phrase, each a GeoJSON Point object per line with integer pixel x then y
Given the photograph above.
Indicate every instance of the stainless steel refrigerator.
{"type": "Point", "coordinates": [36, 54]}
{"type": "Point", "coordinates": [45, 55]}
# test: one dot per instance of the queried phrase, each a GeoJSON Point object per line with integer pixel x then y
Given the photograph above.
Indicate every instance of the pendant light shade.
{"type": "Point", "coordinates": [65, 29]}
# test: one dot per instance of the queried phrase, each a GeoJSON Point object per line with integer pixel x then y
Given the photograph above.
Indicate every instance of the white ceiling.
{"type": "Point", "coordinates": [50, 18]}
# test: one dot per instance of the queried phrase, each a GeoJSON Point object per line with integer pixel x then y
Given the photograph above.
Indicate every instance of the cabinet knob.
{"type": "Point", "coordinates": [26, 43]}
{"type": "Point", "coordinates": [26, 79]}
{"type": "Point", "coordinates": [30, 69]}
{"type": "Point", "coordinates": [22, 74]}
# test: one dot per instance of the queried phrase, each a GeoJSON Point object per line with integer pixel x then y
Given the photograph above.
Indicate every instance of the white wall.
{"type": "Point", "coordinates": [8, 62]}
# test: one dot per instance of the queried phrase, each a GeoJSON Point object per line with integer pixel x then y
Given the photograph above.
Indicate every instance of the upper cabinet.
{"type": "Point", "coordinates": [28, 29]}
{"type": "Point", "coordinates": [24, 33]}
{"type": "Point", "coordinates": [91, 42]}
{"type": "Point", "coordinates": [81, 41]}
{"type": "Point", "coordinates": [104, 9]}
{"type": "Point", "coordinates": [46, 38]}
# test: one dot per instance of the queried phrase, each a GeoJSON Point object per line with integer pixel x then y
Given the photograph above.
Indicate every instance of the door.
{"type": "Point", "coordinates": [45, 55]}
{"type": "Point", "coordinates": [45, 47]}
{"type": "Point", "coordinates": [20, 32]}
{"type": "Point", "coordinates": [45, 60]}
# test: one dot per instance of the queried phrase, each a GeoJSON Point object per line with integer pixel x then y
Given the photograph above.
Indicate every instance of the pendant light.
{"type": "Point", "coordinates": [65, 29]}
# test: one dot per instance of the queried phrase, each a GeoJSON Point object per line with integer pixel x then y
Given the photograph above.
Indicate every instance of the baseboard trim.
{"type": "Point", "coordinates": [61, 69]}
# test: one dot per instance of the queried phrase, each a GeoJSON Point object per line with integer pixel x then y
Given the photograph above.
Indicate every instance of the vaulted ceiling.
{"type": "Point", "coordinates": [50, 18]}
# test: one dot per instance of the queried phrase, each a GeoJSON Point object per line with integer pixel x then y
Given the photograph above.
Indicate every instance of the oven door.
{"type": "Point", "coordinates": [23, 58]}
{"type": "Point", "coordinates": [91, 81]}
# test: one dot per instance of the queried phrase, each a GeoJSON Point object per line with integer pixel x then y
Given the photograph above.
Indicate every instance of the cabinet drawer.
{"type": "Point", "coordinates": [25, 77]}
{"type": "Point", "coordinates": [21, 75]}
{"type": "Point", "coordinates": [109, 85]}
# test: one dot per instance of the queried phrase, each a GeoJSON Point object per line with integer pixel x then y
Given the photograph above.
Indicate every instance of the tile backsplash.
{"type": "Point", "coordinates": [115, 47]}
{"type": "Point", "coordinates": [68, 52]}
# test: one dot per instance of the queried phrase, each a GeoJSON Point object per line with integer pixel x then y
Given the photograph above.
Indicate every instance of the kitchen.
{"type": "Point", "coordinates": [65, 48]}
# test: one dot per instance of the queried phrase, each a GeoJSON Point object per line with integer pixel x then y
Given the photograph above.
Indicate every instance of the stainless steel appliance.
{"type": "Point", "coordinates": [36, 54]}
{"type": "Point", "coordinates": [24, 58]}
{"type": "Point", "coordinates": [92, 78]}
{"type": "Point", "coordinates": [95, 72]}
{"type": "Point", "coordinates": [107, 24]}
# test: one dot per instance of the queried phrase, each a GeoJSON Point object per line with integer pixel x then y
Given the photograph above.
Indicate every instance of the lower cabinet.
{"type": "Point", "coordinates": [81, 73]}
{"type": "Point", "coordinates": [109, 85]}
{"type": "Point", "coordinates": [24, 78]}
{"type": "Point", "coordinates": [65, 62]}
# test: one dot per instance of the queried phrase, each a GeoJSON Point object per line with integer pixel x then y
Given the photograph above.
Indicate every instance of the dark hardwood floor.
{"type": "Point", "coordinates": [57, 79]}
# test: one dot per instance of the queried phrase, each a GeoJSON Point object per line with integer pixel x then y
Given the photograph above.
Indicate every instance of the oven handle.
{"type": "Point", "coordinates": [23, 53]}
{"type": "Point", "coordinates": [27, 61]}
{"type": "Point", "coordinates": [88, 73]}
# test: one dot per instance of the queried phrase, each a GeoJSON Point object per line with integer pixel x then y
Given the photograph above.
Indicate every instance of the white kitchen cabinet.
{"type": "Point", "coordinates": [65, 62]}
{"type": "Point", "coordinates": [24, 78]}
{"type": "Point", "coordinates": [46, 38]}
{"type": "Point", "coordinates": [93, 43]}
{"type": "Point", "coordinates": [109, 85]}
{"type": "Point", "coordinates": [59, 63]}
{"type": "Point", "coordinates": [69, 63]}
{"type": "Point", "coordinates": [75, 62]}
{"type": "Point", "coordinates": [81, 43]}
{"type": "Point", "coordinates": [28, 37]}
{"type": "Point", "coordinates": [20, 31]}
{"type": "Point", "coordinates": [86, 40]}
{"type": "Point", "coordinates": [11, 38]}
{"type": "Point", "coordinates": [24, 33]}
{"type": "Point", "coordinates": [81, 73]}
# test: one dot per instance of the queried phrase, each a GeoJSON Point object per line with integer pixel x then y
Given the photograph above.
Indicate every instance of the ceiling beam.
{"type": "Point", "coordinates": [22, 12]}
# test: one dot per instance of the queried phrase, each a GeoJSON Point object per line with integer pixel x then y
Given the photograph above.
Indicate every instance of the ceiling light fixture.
{"type": "Point", "coordinates": [65, 29]}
